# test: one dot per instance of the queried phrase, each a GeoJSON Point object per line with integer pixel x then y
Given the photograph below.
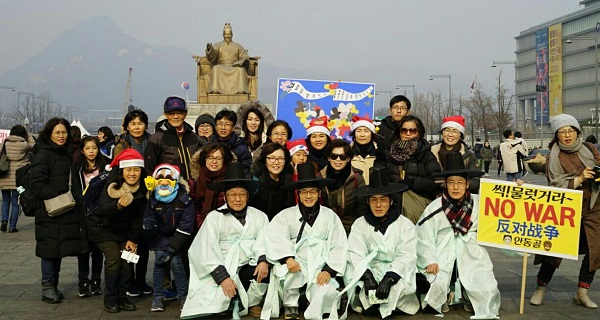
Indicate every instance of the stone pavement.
{"type": "Point", "coordinates": [20, 289]}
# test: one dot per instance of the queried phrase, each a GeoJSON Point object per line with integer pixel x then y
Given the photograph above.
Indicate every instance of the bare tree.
{"type": "Point", "coordinates": [503, 116]}
{"type": "Point", "coordinates": [480, 108]}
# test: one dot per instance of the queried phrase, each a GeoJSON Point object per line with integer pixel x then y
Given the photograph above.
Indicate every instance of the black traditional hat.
{"type": "Point", "coordinates": [455, 166]}
{"type": "Point", "coordinates": [307, 176]}
{"type": "Point", "coordinates": [234, 178]}
{"type": "Point", "coordinates": [379, 184]}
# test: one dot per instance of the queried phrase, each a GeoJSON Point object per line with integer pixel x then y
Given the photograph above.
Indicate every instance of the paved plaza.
{"type": "Point", "coordinates": [20, 288]}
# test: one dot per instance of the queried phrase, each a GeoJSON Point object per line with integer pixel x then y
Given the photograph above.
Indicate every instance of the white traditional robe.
{"type": "Point", "coordinates": [395, 251]}
{"type": "Point", "coordinates": [323, 243]}
{"type": "Point", "coordinates": [223, 240]}
{"type": "Point", "coordinates": [438, 244]}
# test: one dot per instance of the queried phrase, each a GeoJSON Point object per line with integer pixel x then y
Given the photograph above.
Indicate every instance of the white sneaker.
{"type": "Point", "coordinates": [486, 175]}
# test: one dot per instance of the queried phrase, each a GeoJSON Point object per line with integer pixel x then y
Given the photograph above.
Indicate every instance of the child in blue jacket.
{"type": "Point", "coordinates": [169, 221]}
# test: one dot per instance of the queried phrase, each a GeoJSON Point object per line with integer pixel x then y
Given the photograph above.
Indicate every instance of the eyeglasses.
{"type": "Point", "coordinates": [241, 195]}
{"type": "Point", "coordinates": [305, 193]}
{"type": "Point", "coordinates": [459, 184]}
{"type": "Point", "coordinates": [398, 108]}
{"type": "Point", "coordinates": [276, 159]}
{"type": "Point", "coordinates": [214, 159]}
{"type": "Point", "coordinates": [451, 131]}
{"type": "Point", "coordinates": [224, 124]}
{"type": "Point", "coordinates": [335, 156]}
{"type": "Point", "coordinates": [409, 130]}
{"type": "Point", "coordinates": [567, 132]}
{"type": "Point", "coordinates": [281, 135]}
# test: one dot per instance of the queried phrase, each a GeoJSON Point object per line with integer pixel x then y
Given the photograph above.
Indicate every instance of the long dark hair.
{"type": "Point", "coordinates": [118, 179]}
{"type": "Point", "coordinates": [259, 131]}
{"type": "Point", "coordinates": [108, 134]}
{"type": "Point", "coordinates": [417, 121]}
{"type": "Point", "coordinates": [99, 162]}
{"type": "Point", "coordinates": [210, 148]}
{"type": "Point", "coordinates": [20, 131]}
{"type": "Point", "coordinates": [46, 132]}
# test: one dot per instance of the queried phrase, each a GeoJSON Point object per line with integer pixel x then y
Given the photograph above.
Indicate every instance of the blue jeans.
{"type": "Point", "coordinates": [10, 197]}
{"type": "Point", "coordinates": [514, 176]}
{"type": "Point", "coordinates": [50, 269]}
{"type": "Point", "coordinates": [181, 280]}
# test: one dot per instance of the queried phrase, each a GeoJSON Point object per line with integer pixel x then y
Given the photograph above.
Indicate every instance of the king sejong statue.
{"type": "Point", "coordinates": [229, 63]}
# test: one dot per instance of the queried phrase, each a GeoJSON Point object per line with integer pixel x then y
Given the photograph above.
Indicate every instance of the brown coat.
{"type": "Point", "coordinates": [590, 221]}
{"type": "Point", "coordinates": [16, 150]}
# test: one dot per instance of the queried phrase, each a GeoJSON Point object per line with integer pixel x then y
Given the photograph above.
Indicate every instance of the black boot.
{"type": "Point", "coordinates": [49, 293]}
{"type": "Point", "coordinates": [126, 304]}
{"type": "Point", "coordinates": [60, 295]}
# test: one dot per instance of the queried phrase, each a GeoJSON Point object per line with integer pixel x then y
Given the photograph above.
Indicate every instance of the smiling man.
{"type": "Point", "coordinates": [225, 121]}
{"type": "Point", "coordinates": [388, 129]}
{"type": "Point", "coordinates": [447, 247]}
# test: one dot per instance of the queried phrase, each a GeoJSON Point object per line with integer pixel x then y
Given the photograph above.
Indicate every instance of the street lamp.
{"type": "Point", "coordinates": [26, 106]}
{"type": "Point", "coordinates": [382, 91]}
{"type": "Point", "coordinates": [8, 88]}
{"type": "Point", "coordinates": [514, 63]}
{"type": "Point", "coordinates": [431, 77]}
{"type": "Point", "coordinates": [398, 86]}
{"type": "Point", "coordinates": [595, 38]}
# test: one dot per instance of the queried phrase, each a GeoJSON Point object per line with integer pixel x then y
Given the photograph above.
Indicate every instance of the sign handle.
{"type": "Point", "coordinates": [523, 279]}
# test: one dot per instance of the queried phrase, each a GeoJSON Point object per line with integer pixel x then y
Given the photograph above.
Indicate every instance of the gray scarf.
{"type": "Point", "coordinates": [558, 177]}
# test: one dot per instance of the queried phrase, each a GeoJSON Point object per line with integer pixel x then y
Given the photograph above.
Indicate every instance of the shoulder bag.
{"type": "Point", "coordinates": [4, 162]}
{"type": "Point", "coordinates": [62, 203]}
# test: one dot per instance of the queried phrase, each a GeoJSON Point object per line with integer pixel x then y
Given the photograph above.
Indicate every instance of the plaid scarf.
{"type": "Point", "coordinates": [458, 216]}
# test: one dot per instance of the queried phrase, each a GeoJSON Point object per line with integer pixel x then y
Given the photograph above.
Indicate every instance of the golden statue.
{"type": "Point", "coordinates": [229, 61]}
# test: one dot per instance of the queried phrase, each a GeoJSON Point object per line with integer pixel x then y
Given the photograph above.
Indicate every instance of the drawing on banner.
{"type": "Point", "coordinates": [300, 101]}
{"type": "Point", "coordinates": [529, 218]}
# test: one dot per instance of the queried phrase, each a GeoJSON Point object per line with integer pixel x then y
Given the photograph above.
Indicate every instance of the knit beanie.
{"type": "Point", "coordinates": [562, 120]}
{"type": "Point", "coordinates": [205, 118]}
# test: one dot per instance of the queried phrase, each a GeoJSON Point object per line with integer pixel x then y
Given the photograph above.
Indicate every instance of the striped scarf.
{"type": "Point", "coordinates": [458, 216]}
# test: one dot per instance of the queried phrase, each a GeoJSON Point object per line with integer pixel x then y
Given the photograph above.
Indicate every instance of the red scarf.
{"type": "Point", "coordinates": [206, 200]}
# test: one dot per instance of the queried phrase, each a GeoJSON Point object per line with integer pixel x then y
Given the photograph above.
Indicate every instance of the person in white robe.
{"type": "Point", "coordinates": [456, 267]}
{"type": "Point", "coordinates": [382, 248]}
{"type": "Point", "coordinates": [228, 267]}
{"type": "Point", "coordinates": [308, 248]}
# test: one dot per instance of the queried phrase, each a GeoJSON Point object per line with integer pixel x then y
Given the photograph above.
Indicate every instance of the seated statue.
{"type": "Point", "coordinates": [229, 62]}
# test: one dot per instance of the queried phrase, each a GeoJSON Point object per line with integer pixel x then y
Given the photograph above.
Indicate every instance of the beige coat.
{"type": "Point", "coordinates": [16, 150]}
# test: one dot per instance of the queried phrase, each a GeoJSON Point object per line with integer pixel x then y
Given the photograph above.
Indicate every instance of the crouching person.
{"type": "Point", "coordinates": [228, 268]}
{"type": "Point", "coordinates": [382, 252]}
{"type": "Point", "coordinates": [308, 247]}
{"type": "Point", "coordinates": [169, 221]}
{"type": "Point", "coordinates": [448, 251]}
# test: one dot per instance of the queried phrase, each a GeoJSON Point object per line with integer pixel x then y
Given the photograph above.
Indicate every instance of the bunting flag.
{"type": "Point", "coordinates": [473, 86]}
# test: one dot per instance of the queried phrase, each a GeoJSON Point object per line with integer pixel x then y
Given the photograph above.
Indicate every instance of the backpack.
{"type": "Point", "coordinates": [27, 200]}
{"type": "Point", "coordinates": [92, 192]}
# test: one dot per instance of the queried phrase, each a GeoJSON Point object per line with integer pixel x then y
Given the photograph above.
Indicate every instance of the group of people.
{"type": "Point", "coordinates": [242, 220]}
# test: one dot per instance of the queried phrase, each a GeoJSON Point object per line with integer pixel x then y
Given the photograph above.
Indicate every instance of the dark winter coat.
{"type": "Point", "coordinates": [469, 160]}
{"type": "Point", "coordinates": [343, 201]}
{"type": "Point", "coordinates": [418, 171]}
{"type": "Point", "coordinates": [63, 235]}
{"type": "Point", "coordinates": [169, 225]}
{"type": "Point", "coordinates": [238, 148]}
{"type": "Point", "coordinates": [167, 146]}
{"type": "Point", "coordinates": [386, 134]}
{"type": "Point", "coordinates": [108, 223]}
{"type": "Point", "coordinates": [270, 198]}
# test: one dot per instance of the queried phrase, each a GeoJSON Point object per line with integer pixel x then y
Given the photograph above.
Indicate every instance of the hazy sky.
{"type": "Point", "coordinates": [385, 42]}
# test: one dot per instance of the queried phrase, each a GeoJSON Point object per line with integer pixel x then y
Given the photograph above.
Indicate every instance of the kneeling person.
{"type": "Point", "coordinates": [227, 260]}
{"type": "Point", "coordinates": [308, 247]}
{"type": "Point", "coordinates": [447, 247]}
{"type": "Point", "coordinates": [382, 251]}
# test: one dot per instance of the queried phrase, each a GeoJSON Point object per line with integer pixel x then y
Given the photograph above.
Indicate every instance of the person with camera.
{"type": "Point", "coordinates": [169, 221]}
{"type": "Point", "coordinates": [116, 226]}
{"type": "Point", "coordinates": [571, 164]}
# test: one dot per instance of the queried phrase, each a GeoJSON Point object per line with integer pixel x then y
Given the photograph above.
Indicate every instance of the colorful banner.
{"type": "Point", "coordinates": [529, 218]}
{"type": "Point", "coordinates": [299, 101]}
{"type": "Point", "coordinates": [541, 80]}
{"type": "Point", "coordinates": [555, 56]}
{"type": "Point", "coordinates": [3, 134]}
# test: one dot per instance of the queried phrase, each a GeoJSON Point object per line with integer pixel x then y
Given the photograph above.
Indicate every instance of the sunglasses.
{"type": "Point", "coordinates": [409, 130]}
{"type": "Point", "coordinates": [334, 156]}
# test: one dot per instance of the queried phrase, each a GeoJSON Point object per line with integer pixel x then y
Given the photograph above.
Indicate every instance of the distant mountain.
{"type": "Point", "coordinates": [87, 67]}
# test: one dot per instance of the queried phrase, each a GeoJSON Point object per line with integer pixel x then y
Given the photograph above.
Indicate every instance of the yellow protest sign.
{"type": "Point", "coordinates": [529, 218]}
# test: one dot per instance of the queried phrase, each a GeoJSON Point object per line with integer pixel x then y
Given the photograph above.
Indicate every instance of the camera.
{"type": "Point", "coordinates": [129, 256]}
{"type": "Point", "coordinates": [596, 172]}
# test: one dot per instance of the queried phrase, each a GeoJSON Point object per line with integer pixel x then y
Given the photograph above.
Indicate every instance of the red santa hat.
{"type": "Point", "coordinates": [127, 158]}
{"type": "Point", "coordinates": [297, 145]}
{"type": "Point", "coordinates": [362, 122]}
{"type": "Point", "coordinates": [318, 125]}
{"type": "Point", "coordinates": [166, 169]}
{"type": "Point", "coordinates": [456, 122]}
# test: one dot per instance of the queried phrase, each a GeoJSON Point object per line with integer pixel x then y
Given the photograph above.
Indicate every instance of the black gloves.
{"type": "Point", "coordinates": [369, 281]}
{"type": "Point", "coordinates": [383, 291]}
{"type": "Point", "coordinates": [164, 257]}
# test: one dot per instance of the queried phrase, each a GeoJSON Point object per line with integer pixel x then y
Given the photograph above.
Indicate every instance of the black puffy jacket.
{"type": "Point", "coordinates": [239, 149]}
{"type": "Point", "coordinates": [63, 235]}
{"type": "Point", "coordinates": [270, 198]}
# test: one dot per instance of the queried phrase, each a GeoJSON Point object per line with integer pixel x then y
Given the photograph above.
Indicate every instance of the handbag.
{"type": "Point", "coordinates": [413, 205]}
{"type": "Point", "coordinates": [4, 162]}
{"type": "Point", "coordinates": [62, 203]}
